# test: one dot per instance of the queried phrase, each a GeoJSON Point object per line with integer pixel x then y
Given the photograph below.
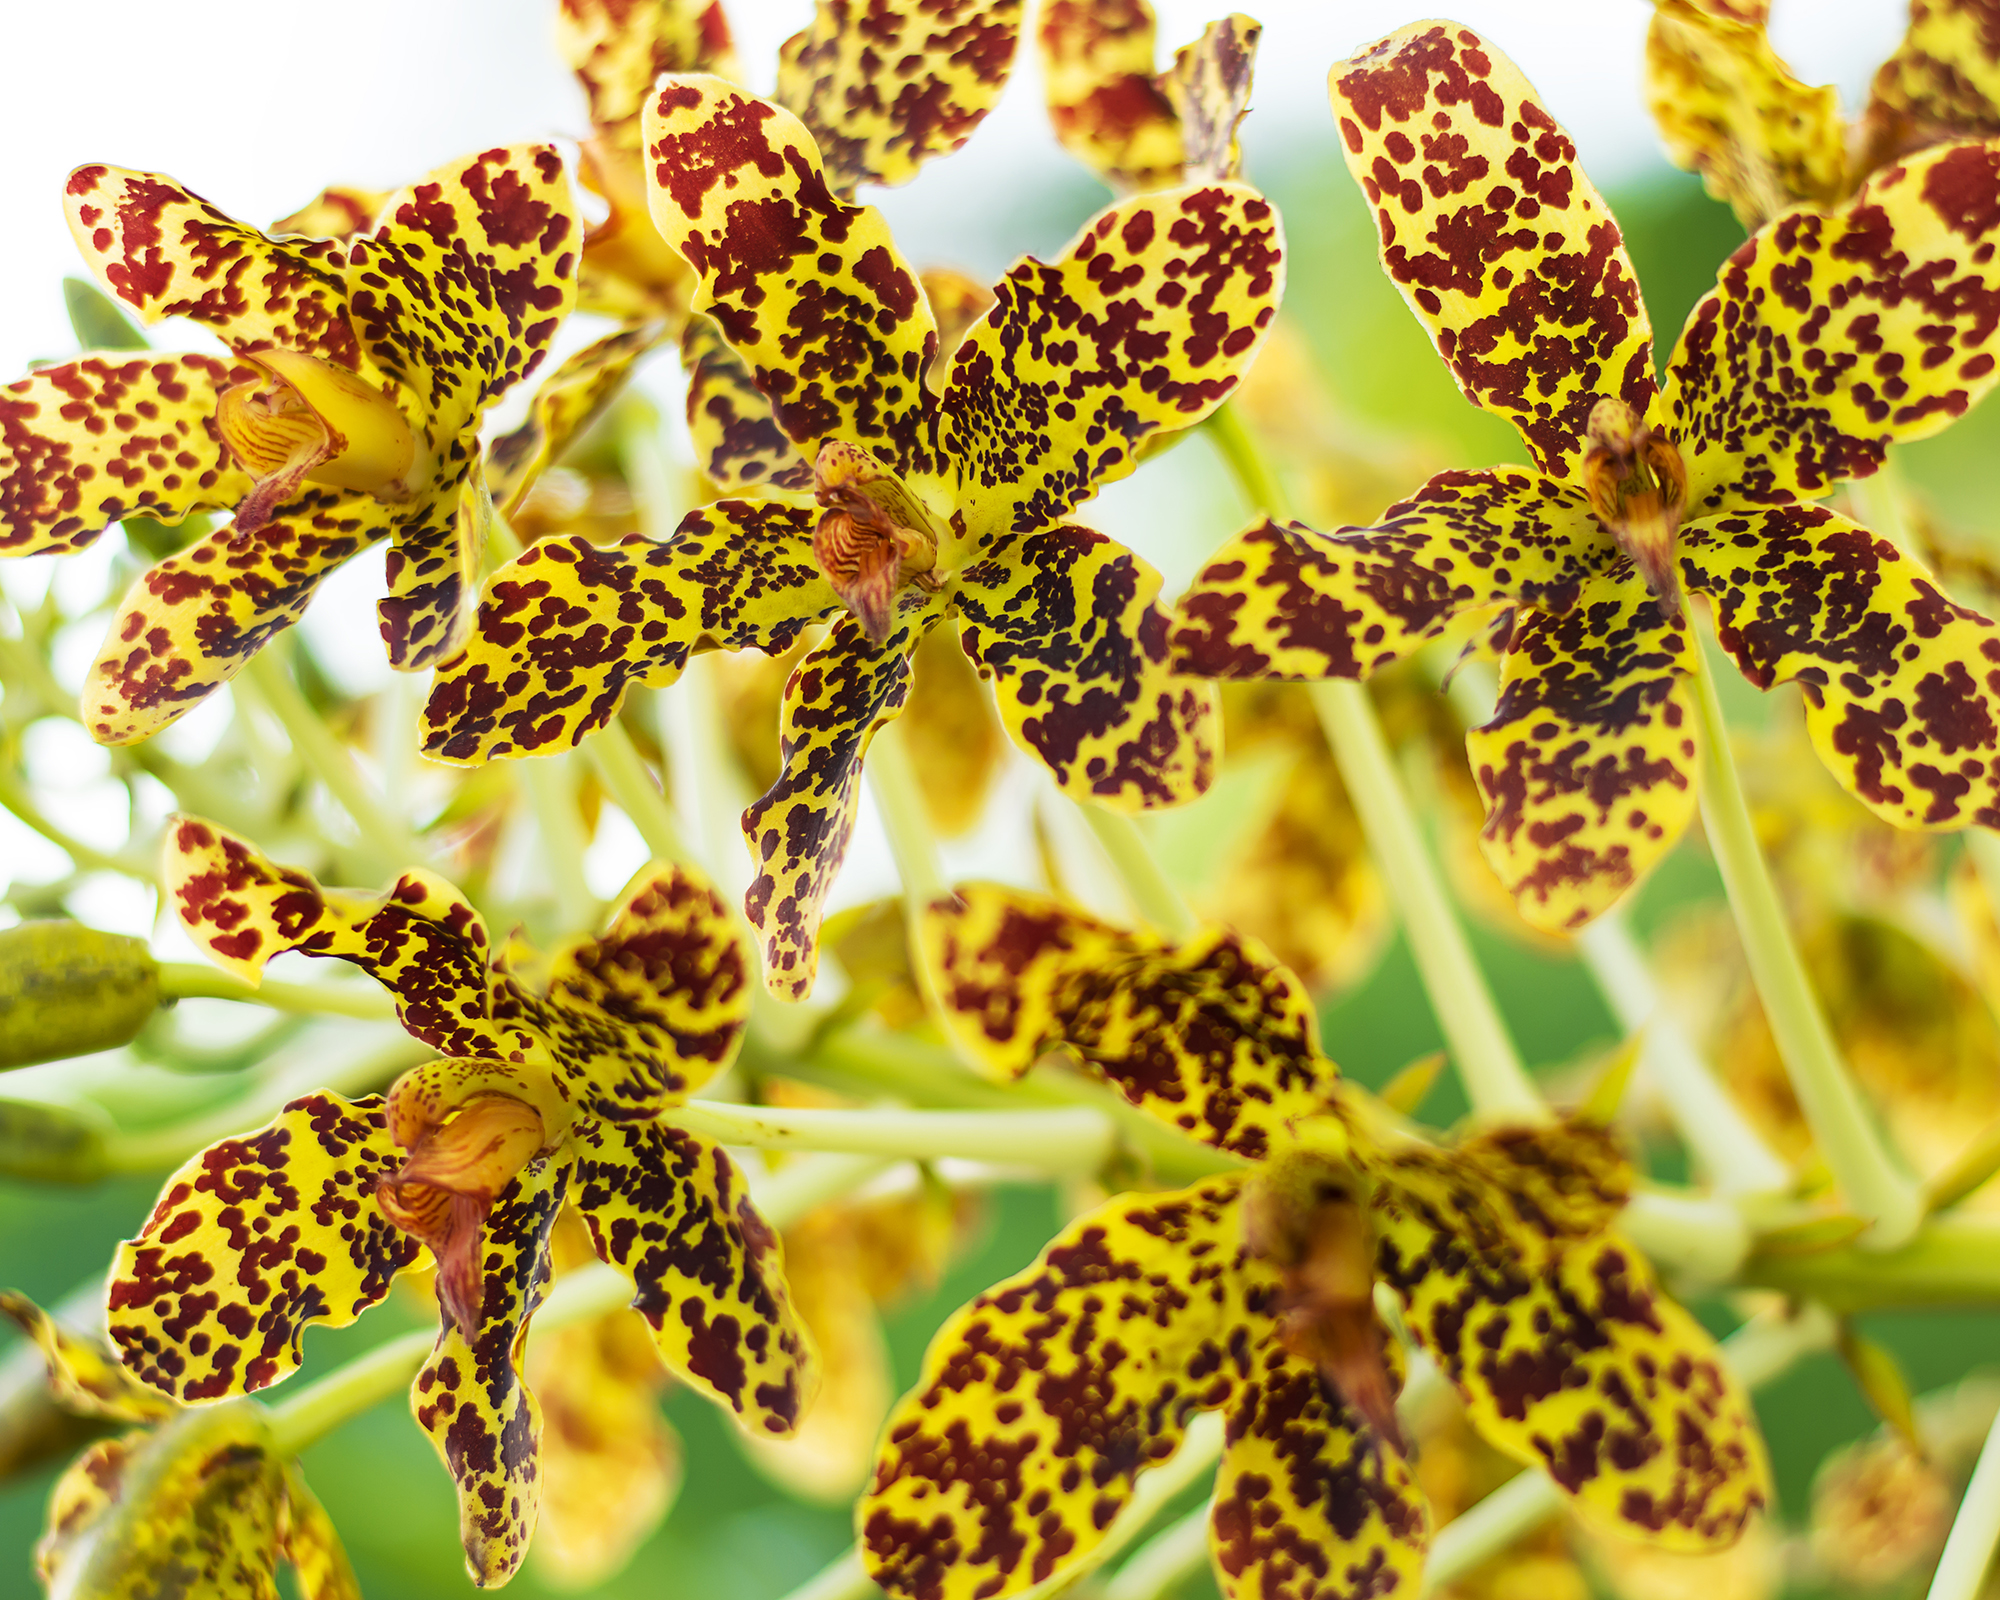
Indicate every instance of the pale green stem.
{"type": "Point", "coordinates": [1868, 1177]}
{"type": "Point", "coordinates": [843, 1578]}
{"type": "Point", "coordinates": [1153, 897]}
{"type": "Point", "coordinates": [892, 779]}
{"type": "Point", "coordinates": [1968, 1552]}
{"type": "Point", "coordinates": [1881, 503]}
{"type": "Point", "coordinates": [1063, 1140]}
{"type": "Point", "coordinates": [14, 796]}
{"type": "Point", "coordinates": [647, 472]}
{"type": "Point", "coordinates": [709, 789]}
{"type": "Point", "coordinates": [550, 782]}
{"type": "Point", "coordinates": [1704, 1236]}
{"type": "Point", "coordinates": [1984, 849]}
{"type": "Point", "coordinates": [623, 770]}
{"type": "Point", "coordinates": [1954, 1259]}
{"type": "Point", "coordinates": [188, 980]}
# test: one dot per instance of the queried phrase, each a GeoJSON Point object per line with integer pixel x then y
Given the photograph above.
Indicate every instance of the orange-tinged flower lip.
{"type": "Point", "coordinates": [874, 536]}
{"type": "Point", "coordinates": [1637, 486]}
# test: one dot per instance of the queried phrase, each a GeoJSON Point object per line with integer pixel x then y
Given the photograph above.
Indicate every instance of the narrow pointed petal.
{"type": "Point", "coordinates": [1144, 325]}
{"type": "Point", "coordinates": [885, 89]}
{"type": "Point", "coordinates": [1209, 88]}
{"type": "Point", "coordinates": [566, 628]}
{"type": "Point", "coordinates": [253, 1241]}
{"type": "Point", "coordinates": [1499, 242]}
{"type": "Point", "coordinates": [1281, 601]}
{"type": "Point", "coordinates": [1309, 1505]}
{"type": "Point", "coordinates": [310, 1544]}
{"type": "Point", "coordinates": [193, 621]}
{"type": "Point", "coordinates": [470, 1396]}
{"type": "Point", "coordinates": [811, 292]}
{"type": "Point", "coordinates": [338, 211]}
{"type": "Point", "coordinates": [569, 400]}
{"type": "Point", "coordinates": [1043, 1400]}
{"type": "Point", "coordinates": [1941, 82]}
{"type": "Point", "coordinates": [83, 1375]}
{"type": "Point", "coordinates": [1105, 103]}
{"type": "Point", "coordinates": [433, 572]}
{"type": "Point", "coordinates": [671, 1209]}
{"type": "Point", "coordinates": [1901, 684]}
{"type": "Point", "coordinates": [835, 700]}
{"type": "Point", "coordinates": [619, 48]}
{"type": "Point", "coordinates": [1589, 767]}
{"type": "Point", "coordinates": [91, 441]}
{"type": "Point", "coordinates": [1887, 311]}
{"type": "Point", "coordinates": [1211, 1036]}
{"type": "Point", "coordinates": [1063, 623]}
{"type": "Point", "coordinates": [737, 440]}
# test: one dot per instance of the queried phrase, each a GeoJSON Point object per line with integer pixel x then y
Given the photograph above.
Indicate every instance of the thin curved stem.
{"type": "Point", "coordinates": [189, 980]}
{"type": "Point", "coordinates": [15, 798]}
{"type": "Point", "coordinates": [1153, 896]}
{"type": "Point", "coordinates": [1968, 1551]}
{"type": "Point", "coordinates": [551, 790]}
{"type": "Point", "coordinates": [1070, 1139]}
{"type": "Point", "coordinates": [623, 770]}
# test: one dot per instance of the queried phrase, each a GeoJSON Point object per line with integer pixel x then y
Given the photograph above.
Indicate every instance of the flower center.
{"type": "Point", "coordinates": [308, 421]}
{"type": "Point", "coordinates": [1638, 489]}
{"type": "Point", "coordinates": [873, 538]}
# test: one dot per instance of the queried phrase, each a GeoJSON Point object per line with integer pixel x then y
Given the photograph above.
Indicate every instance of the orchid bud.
{"type": "Point", "coordinates": [67, 990]}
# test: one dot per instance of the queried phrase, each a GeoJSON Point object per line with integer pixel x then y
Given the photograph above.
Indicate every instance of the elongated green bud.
{"type": "Point", "coordinates": [66, 990]}
{"type": "Point", "coordinates": [53, 1144]}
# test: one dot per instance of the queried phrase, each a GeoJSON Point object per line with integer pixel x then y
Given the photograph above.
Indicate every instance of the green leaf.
{"type": "Point", "coordinates": [95, 318]}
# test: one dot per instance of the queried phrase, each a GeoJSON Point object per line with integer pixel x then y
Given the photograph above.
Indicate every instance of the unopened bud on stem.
{"type": "Point", "coordinates": [66, 990]}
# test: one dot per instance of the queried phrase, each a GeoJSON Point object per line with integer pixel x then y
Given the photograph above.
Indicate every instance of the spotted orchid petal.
{"type": "Point", "coordinates": [1885, 315]}
{"type": "Point", "coordinates": [193, 621]}
{"type": "Point", "coordinates": [253, 1241]}
{"type": "Point", "coordinates": [1281, 601]}
{"type": "Point", "coordinates": [885, 89]}
{"type": "Point", "coordinates": [1902, 685]}
{"type": "Point", "coordinates": [166, 252]}
{"type": "Point", "coordinates": [619, 48]}
{"type": "Point", "coordinates": [1209, 88]}
{"type": "Point", "coordinates": [1042, 1401]}
{"type": "Point", "coordinates": [83, 1375]}
{"type": "Point", "coordinates": [569, 400]}
{"type": "Point", "coordinates": [835, 700]}
{"type": "Point", "coordinates": [338, 211]}
{"type": "Point", "coordinates": [470, 1396]}
{"type": "Point", "coordinates": [1942, 81]}
{"type": "Point", "coordinates": [1063, 623]}
{"type": "Point", "coordinates": [1496, 238]}
{"type": "Point", "coordinates": [1589, 766]}
{"type": "Point", "coordinates": [1308, 1503]}
{"type": "Point", "coordinates": [671, 1209]}
{"type": "Point", "coordinates": [737, 440]}
{"type": "Point", "coordinates": [736, 187]}
{"type": "Point", "coordinates": [91, 441]}
{"type": "Point", "coordinates": [1104, 101]}
{"type": "Point", "coordinates": [1144, 325]}
{"type": "Point", "coordinates": [566, 628]}
{"type": "Point", "coordinates": [1210, 1035]}
{"type": "Point", "coordinates": [953, 737]}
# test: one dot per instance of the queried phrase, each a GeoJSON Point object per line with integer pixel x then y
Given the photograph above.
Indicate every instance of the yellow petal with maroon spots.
{"type": "Point", "coordinates": [737, 441]}
{"type": "Point", "coordinates": [1281, 601]}
{"type": "Point", "coordinates": [432, 570]}
{"type": "Point", "coordinates": [1209, 89]}
{"type": "Point", "coordinates": [1886, 311]}
{"type": "Point", "coordinates": [1589, 767]}
{"type": "Point", "coordinates": [109, 436]}
{"type": "Point", "coordinates": [1503, 248]}
{"type": "Point", "coordinates": [1144, 325]}
{"type": "Point", "coordinates": [1729, 108]}
{"type": "Point", "coordinates": [569, 400]}
{"type": "Point", "coordinates": [193, 621]}
{"type": "Point", "coordinates": [644, 1016]}
{"type": "Point", "coordinates": [811, 292]}
{"type": "Point", "coordinates": [81, 1498]}
{"type": "Point", "coordinates": [1063, 623]}
{"type": "Point", "coordinates": [336, 212]}
{"type": "Point", "coordinates": [566, 628]}
{"type": "Point", "coordinates": [883, 89]}
{"type": "Point", "coordinates": [1043, 1400]}
{"type": "Point", "coordinates": [253, 1241]}
{"type": "Point", "coordinates": [1942, 81]}
{"type": "Point", "coordinates": [954, 738]}
{"type": "Point", "coordinates": [83, 1375]}
{"type": "Point", "coordinates": [1308, 1503]}
{"type": "Point", "coordinates": [1584, 1368]}
{"type": "Point", "coordinates": [1211, 1035]}
{"type": "Point", "coordinates": [470, 1396]}
{"type": "Point", "coordinates": [671, 1209]}
{"type": "Point", "coordinates": [619, 48]}
{"type": "Point", "coordinates": [312, 1546]}
{"type": "Point", "coordinates": [166, 252]}
{"type": "Point", "coordinates": [1104, 102]}
{"type": "Point", "coordinates": [798, 830]}
{"type": "Point", "coordinates": [1902, 685]}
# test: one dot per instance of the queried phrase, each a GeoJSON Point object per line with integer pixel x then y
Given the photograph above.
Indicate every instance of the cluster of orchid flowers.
{"type": "Point", "coordinates": [896, 455]}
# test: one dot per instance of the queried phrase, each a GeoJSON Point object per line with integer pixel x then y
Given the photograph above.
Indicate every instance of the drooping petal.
{"type": "Point", "coordinates": [619, 48]}
{"type": "Point", "coordinates": [1942, 81]}
{"type": "Point", "coordinates": [811, 292]}
{"type": "Point", "coordinates": [110, 436]}
{"type": "Point", "coordinates": [470, 1396]}
{"type": "Point", "coordinates": [737, 441]}
{"type": "Point", "coordinates": [1145, 324]}
{"type": "Point", "coordinates": [1831, 335]}
{"type": "Point", "coordinates": [83, 1375]}
{"type": "Point", "coordinates": [1043, 1400]}
{"type": "Point", "coordinates": [193, 621]}
{"type": "Point", "coordinates": [1496, 238]}
{"type": "Point", "coordinates": [1902, 685]}
{"type": "Point", "coordinates": [1105, 103]}
{"type": "Point", "coordinates": [166, 252]}
{"type": "Point", "coordinates": [570, 399]}
{"type": "Point", "coordinates": [835, 699]}
{"type": "Point", "coordinates": [1589, 766]}
{"type": "Point", "coordinates": [460, 288]}
{"type": "Point", "coordinates": [306, 1536]}
{"type": "Point", "coordinates": [432, 569]}
{"type": "Point", "coordinates": [644, 1016]}
{"type": "Point", "coordinates": [1211, 1036]}
{"type": "Point", "coordinates": [1585, 1369]}
{"type": "Point", "coordinates": [1063, 623]}
{"type": "Point", "coordinates": [253, 1241]}
{"type": "Point", "coordinates": [1281, 601]}
{"type": "Point", "coordinates": [1209, 89]}
{"type": "Point", "coordinates": [1729, 108]}
{"type": "Point", "coordinates": [671, 1209]}
{"type": "Point", "coordinates": [566, 628]}
{"type": "Point", "coordinates": [1309, 1505]}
